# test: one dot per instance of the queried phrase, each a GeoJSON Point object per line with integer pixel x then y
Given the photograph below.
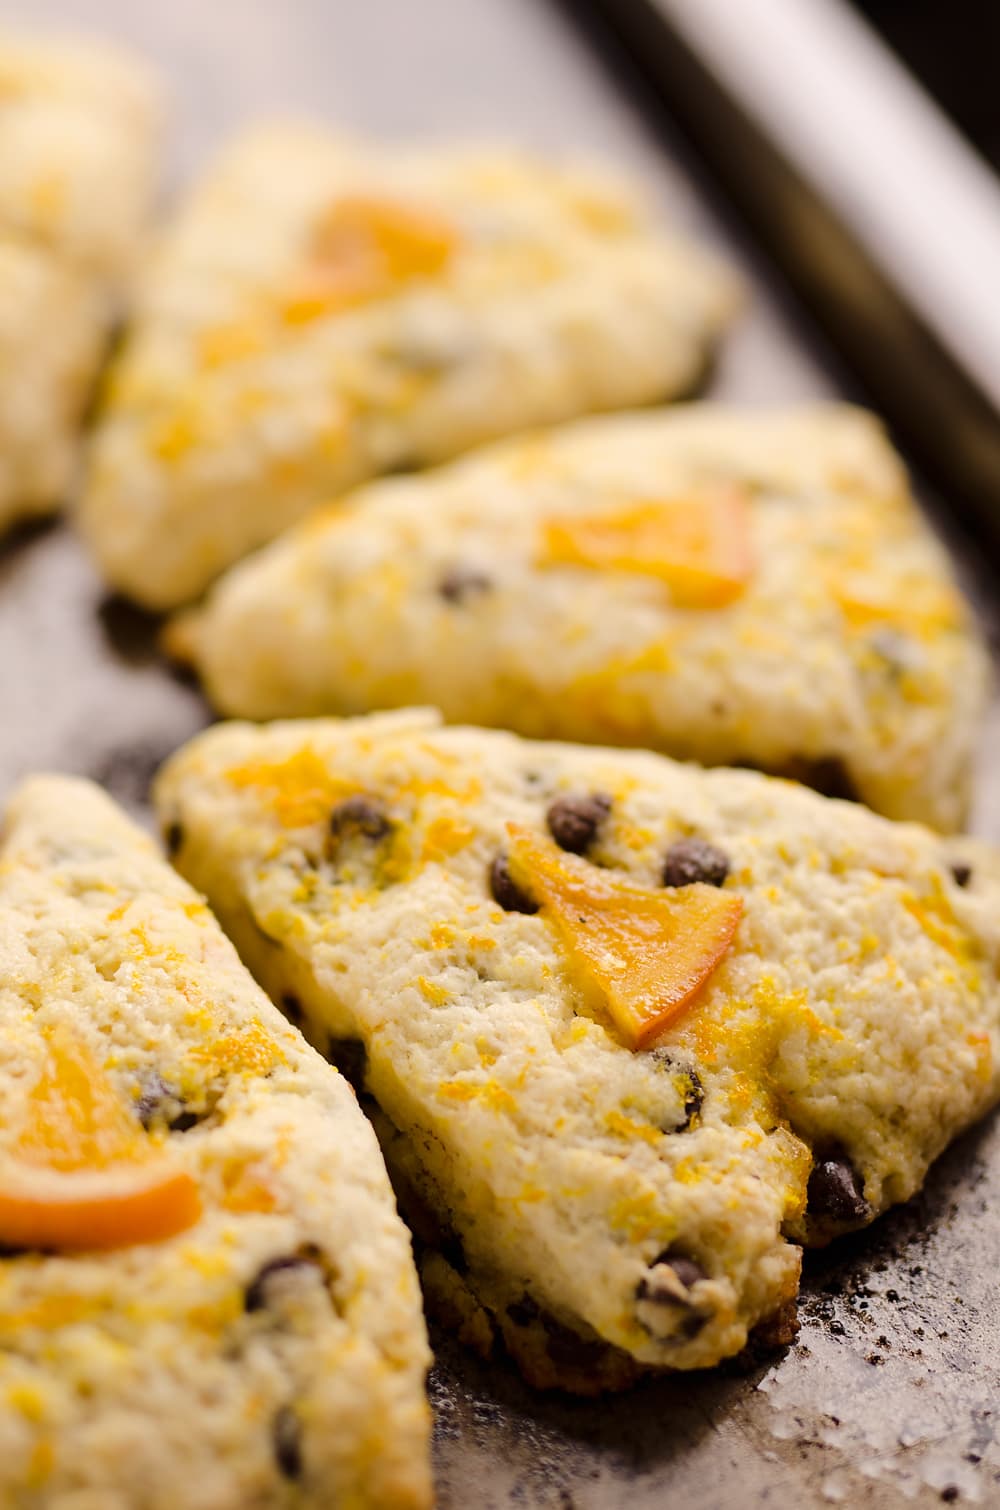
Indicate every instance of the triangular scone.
{"type": "Point", "coordinates": [77, 137]}
{"type": "Point", "coordinates": [322, 311]}
{"type": "Point", "coordinates": [496, 920]}
{"type": "Point", "coordinates": [735, 587]}
{"type": "Point", "coordinates": [226, 1312]}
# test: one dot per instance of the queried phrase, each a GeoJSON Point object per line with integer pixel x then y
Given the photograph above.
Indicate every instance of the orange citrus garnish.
{"type": "Point", "coordinates": [77, 1171]}
{"type": "Point", "coordinates": [698, 545]}
{"type": "Point", "coordinates": [648, 952]}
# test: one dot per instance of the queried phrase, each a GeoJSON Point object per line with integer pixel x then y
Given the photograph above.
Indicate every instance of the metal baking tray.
{"type": "Point", "coordinates": [891, 1396]}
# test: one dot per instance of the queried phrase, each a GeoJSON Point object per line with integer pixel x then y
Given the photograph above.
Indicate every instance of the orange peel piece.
{"type": "Point", "coordinates": [362, 249]}
{"type": "Point", "coordinates": [699, 545]}
{"type": "Point", "coordinates": [84, 1210]}
{"type": "Point", "coordinates": [78, 1172]}
{"type": "Point", "coordinates": [648, 952]}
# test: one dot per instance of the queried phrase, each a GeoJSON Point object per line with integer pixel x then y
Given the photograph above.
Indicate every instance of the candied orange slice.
{"type": "Point", "coordinates": [698, 545]}
{"type": "Point", "coordinates": [76, 1169]}
{"type": "Point", "coordinates": [113, 1208]}
{"type": "Point", "coordinates": [648, 952]}
{"type": "Point", "coordinates": [365, 247]}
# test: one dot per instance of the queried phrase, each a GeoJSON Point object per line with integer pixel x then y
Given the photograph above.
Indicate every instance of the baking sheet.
{"type": "Point", "coordinates": [892, 1393]}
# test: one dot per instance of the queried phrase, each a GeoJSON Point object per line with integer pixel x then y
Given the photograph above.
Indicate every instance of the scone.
{"type": "Point", "coordinates": [730, 586]}
{"type": "Point", "coordinates": [207, 1298]}
{"type": "Point", "coordinates": [78, 126]}
{"type": "Point", "coordinates": [324, 310]}
{"type": "Point", "coordinates": [636, 1031]}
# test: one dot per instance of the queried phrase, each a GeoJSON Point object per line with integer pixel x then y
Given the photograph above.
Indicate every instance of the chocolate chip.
{"type": "Point", "coordinates": [462, 583]}
{"type": "Point", "coordinates": [574, 821]}
{"type": "Point", "coordinates": [256, 1297]}
{"type": "Point", "coordinates": [687, 1271]}
{"type": "Point", "coordinates": [691, 860]}
{"type": "Point", "coordinates": [836, 1190]}
{"type": "Point", "coordinates": [162, 1103]}
{"type": "Point", "coordinates": [660, 1289]}
{"type": "Point", "coordinates": [694, 1091]}
{"type": "Point", "coordinates": [286, 1436]}
{"type": "Point", "coordinates": [173, 838]}
{"type": "Point", "coordinates": [506, 890]}
{"type": "Point", "coordinates": [359, 816]}
{"type": "Point", "coordinates": [962, 872]}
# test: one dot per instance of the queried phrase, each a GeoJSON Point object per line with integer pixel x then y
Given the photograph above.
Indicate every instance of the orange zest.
{"type": "Point", "coordinates": [77, 1171]}
{"type": "Point", "coordinates": [699, 546]}
{"type": "Point", "coordinates": [362, 249]}
{"type": "Point", "coordinates": [648, 952]}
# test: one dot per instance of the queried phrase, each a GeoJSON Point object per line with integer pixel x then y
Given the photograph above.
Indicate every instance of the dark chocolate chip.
{"type": "Point", "coordinates": [574, 821]}
{"type": "Point", "coordinates": [173, 838]}
{"type": "Point", "coordinates": [836, 1190]}
{"type": "Point", "coordinates": [162, 1103]}
{"type": "Point", "coordinates": [462, 583]}
{"type": "Point", "coordinates": [962, 872]}
{"type": "Point", "coordinates": [694, 1091]}
{"type": "Point", "coordinates": [691, 860]}
{"type": "Point", "coordinates": [359, 816]}
{"type": "Point", "coordinates": [184, 1121]}
{"type": "Point", "coordinates": [506, 890]}
{"type": "Point", "coordinates": [256, 1297]}
{"type": "Point", "coordinates": [286, 1436]}
{"type": "Point", "coordinates": [687, 1271]}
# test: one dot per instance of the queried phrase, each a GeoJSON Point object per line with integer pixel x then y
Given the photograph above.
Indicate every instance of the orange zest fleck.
{"type": "Point", "coordinates": [648, 952]}
{"type": "Point", "coordinates": [698, 545]}
{"type": "Point", "coordinates": [300, 789]}
{"type": "Point", "coordinates": [77, 1171]}
{"type": "Point", "coordinates": [362, 250]}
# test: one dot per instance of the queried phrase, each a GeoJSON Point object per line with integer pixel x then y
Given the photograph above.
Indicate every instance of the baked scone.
{"type": "Point", "coordinates": [730, 586]}
{"type": "Point", "coordinates": [78, 127]}
{"type": "Point", "coordinates": [324, 310]}
{"type": "Point", "coordinates": [636, 1030]}
{"type": "Point", "coordinates": [207, 1298]}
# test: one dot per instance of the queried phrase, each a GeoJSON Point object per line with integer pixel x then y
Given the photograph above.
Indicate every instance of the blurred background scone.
{"type": "Point", "coordinates": [321, 311]}
{"type": "Point", "coordinates": [78, 142]}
